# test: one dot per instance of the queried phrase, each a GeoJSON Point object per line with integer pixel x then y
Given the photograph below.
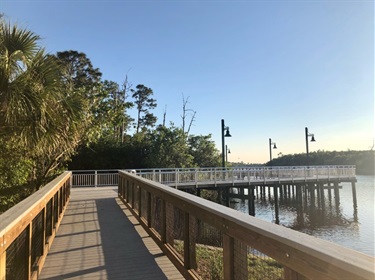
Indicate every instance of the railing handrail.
{"type": "Point", "coordinates": [11, 217]}
{"type": "Point", "coordinates": [20, 219]}
{"type": "Point", "coordinates": [264, 174]}
{"type": "Point", "coordinates": [307, 255]}
{"type": "Point", "coordinates": [292, 167]}
{"type": "Point", "coordinates": [95, 170]}
{"type": "Point", "coordinates": [195, 176]}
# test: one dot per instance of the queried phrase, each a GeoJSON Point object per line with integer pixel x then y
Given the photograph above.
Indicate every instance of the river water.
{"type": "Point", "coordinates": [341, 223]}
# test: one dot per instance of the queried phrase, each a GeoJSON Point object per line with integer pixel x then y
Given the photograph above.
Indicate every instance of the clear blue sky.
{"type": "Point", "coordinates": [269, 68]}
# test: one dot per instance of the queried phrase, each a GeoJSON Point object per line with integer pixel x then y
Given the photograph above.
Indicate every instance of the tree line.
{"type": "Point", "coordinates": [56, 112]}
{"type": "Point", "coordinates": [363, 160]}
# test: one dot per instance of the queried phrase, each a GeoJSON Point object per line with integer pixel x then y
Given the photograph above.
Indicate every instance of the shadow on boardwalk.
{"type": "Point", "coordinates": [100, 239]}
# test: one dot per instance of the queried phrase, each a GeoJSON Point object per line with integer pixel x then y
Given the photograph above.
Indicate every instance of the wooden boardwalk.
{"type": "Point", "coordinates": [100, 239]}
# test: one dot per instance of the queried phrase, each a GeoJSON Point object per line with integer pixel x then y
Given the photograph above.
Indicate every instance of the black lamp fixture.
{"type": "Point", "coordinates": [227, 151]}
{"type": "Point", "coordinates": [270, 145]}
{"type": "Point", "coordinates": [307, 135]}
{"type": "Point", "coordinates": [227, 134]}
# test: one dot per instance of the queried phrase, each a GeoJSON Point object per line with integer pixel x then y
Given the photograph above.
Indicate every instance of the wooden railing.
{"type": "Point", "coordinates": [183, 225]}
{"type": "Point", "coordinates": [28, 229]}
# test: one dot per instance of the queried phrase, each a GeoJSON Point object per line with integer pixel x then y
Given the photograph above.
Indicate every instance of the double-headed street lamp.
{"type": "Point", "coordinates": [307, 135]}
{"type": "Point", "coordinates": [274, 146]}
{"type": "Point", "coordinates": [227, 134]}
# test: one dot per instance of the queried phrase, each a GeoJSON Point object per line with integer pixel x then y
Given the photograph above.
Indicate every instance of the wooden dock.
{"type": "Point", "coordinates": [61, 232]}
{"type": "Point", "coordinates": [99, 238]}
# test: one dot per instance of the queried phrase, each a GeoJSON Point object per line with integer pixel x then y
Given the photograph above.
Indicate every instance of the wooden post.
{"type": "Point", "coordinates": [139, 198]}
{"type": "Point", "coordinates": [330, 194]}
{"type": "Point", "coordinates": [354, 202]}
{"type": "Point", "coordinates": [290, 274]}
{"type": "Point", "coordinates": [44, 229]}
{"type": "Point", "coordinates": [58, 204]}
{"type": "Point", "coordinates": [186, 241]}
{"type": "Point", "coordinates": [280, 188]}
{"type": "Point", "coordinates": [275, 187]}
{"type": "Point", "coordinates": [318, 195]}
{"type": "Point", "coordinates": [52, 217]}
{"type": "Point", "coordinates": [149, 205]}
{"type": "Point", "coordinates": [354, 196]}
{"type": "Point", "coordinates": [189, 242]}
{"type": "Point", "coordinates": [251, 199]}
{"type": "Point", "coordinates": [300, 216]}
{"type": "Point", "coordinates": [269, 193]}
{"type": "Point", "coordinates": [285, 191]}
{"type": "Point", "coordinates": [128, 191]}
{"type": "Point", "coordinates": [321, 186]}
{"type": "Point", "coordinates": [3, 269]}
{"type": "Point", "coordinates": [337, 197]}
{"type": "Point", "coordinates": [219, 195]}
{"type": "Point", "coordinates": [312, 195]}
{"type": "Point", "coordinates": [132, 194]}
{"type": "Point", "coordinates": [305, 194]}
{"type": "Point", "coordinates": [198, 192]}
{"type": "Point", "coordinates": [29, 237]}
{"type": "Point", "coordinates": [228, 256]}
{"type": "Point", "coordinates": [226, 194]}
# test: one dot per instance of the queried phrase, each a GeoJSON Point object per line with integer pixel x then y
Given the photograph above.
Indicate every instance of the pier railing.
{"type": "Point", "coordinates": [94, 178]}
{"type": "Point", "coordinates": [28, 229]}
{"type": "Point", "coordinates": [197, 176]}
{"type": "Point", "coordinates": [207, 240]}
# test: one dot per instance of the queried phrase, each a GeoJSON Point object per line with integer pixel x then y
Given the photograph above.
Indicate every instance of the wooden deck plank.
{"type": "Point", "coordinates": [100, 239]}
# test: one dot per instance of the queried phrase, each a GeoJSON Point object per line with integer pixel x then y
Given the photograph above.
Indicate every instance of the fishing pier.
{"type": "Point", "coordinates": [307, 184]}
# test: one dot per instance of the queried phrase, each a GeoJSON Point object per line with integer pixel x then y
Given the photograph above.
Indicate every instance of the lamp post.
{"type": "Point", "coordinates": [274, 146]}
{"type": "Point", "coordinates": [307, 135]}
{"type": "Point", "coordinates": [227, 151]}
{"type": "Point", "coordinates": [227, 134]}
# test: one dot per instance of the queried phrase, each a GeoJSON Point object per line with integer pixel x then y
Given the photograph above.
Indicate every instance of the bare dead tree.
{"type": "Point", "coordinates": [125, 88]}
{"type": "Point", "coordinates": [184, 102]}
{"type": "Point", "coordinates": [191, 122]}
{"type": "Point", "coordinates": [164, 114]}
{"type": "Point", "coordinates": [185, 113]}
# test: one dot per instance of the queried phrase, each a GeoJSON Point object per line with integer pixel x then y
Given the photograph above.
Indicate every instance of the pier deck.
{"type": "Point", "coordinates": [99, 238]}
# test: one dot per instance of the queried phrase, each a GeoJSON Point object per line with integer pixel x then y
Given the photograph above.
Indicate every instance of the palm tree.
{"type": "Point", "coordinates": [28, 78]}
{"type": "Point", "coordinates": [34, 108]}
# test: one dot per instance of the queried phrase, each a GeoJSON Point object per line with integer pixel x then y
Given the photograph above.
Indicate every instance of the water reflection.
{"type": "Point", "coordinates": [329, 214]}
{"type": "Point", "coordinates": [308, 209]}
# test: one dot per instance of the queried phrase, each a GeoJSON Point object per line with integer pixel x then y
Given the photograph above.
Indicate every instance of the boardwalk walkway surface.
{"type": "Point", "coordinates": [100, 239]}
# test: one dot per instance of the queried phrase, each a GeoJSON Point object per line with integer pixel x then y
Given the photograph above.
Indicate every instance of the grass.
{"type": "Point", "coordinates": [210, 264]}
